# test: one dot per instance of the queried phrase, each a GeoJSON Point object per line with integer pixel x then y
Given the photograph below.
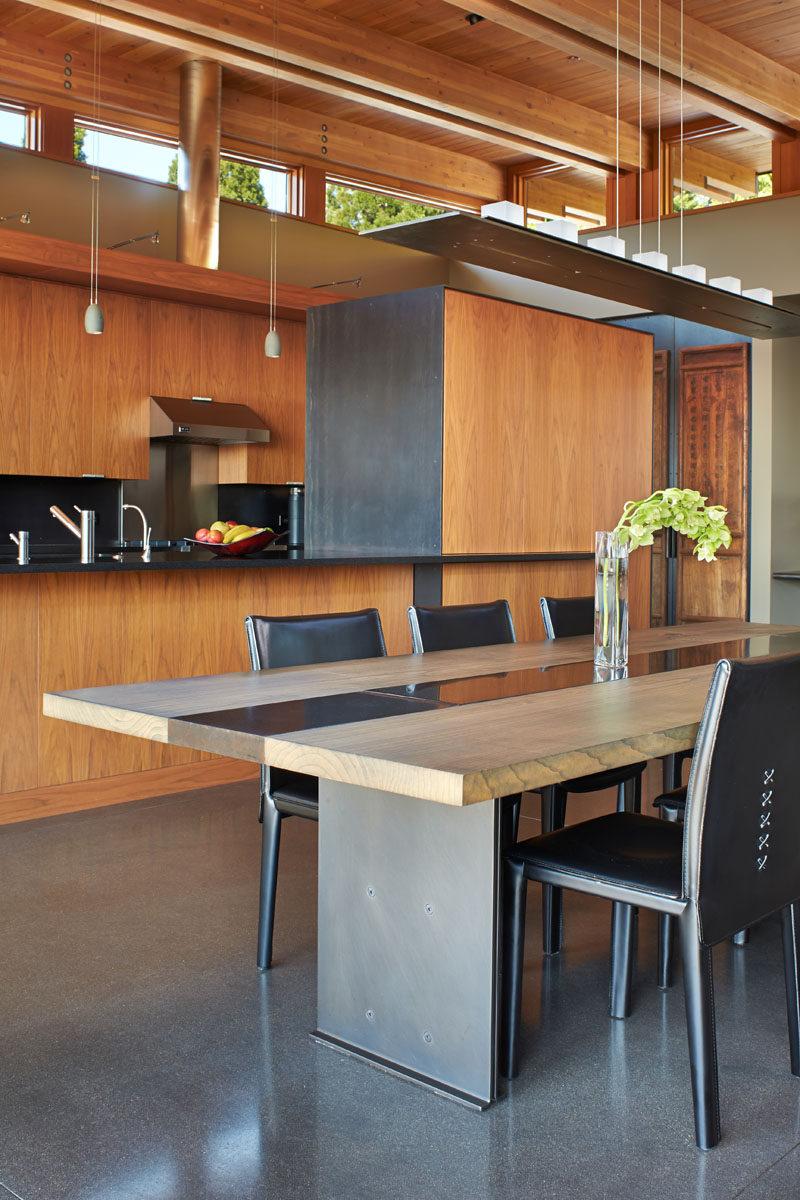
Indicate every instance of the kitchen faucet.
{"type": "Point", "coordinates": [146, 530]}
{"type": "Point", "coordinates": [85, 532]}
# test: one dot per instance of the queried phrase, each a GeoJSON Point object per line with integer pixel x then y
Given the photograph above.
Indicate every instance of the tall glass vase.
{"type": "Point", "coordinates": [610, 601]}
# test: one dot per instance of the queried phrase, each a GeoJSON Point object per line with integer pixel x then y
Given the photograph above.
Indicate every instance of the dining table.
{"type": "Point", "coordinates": [414, 754]}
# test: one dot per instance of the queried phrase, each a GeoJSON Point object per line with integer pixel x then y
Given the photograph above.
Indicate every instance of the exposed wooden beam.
{"type": "Point", "coordinates": [721, 75]}
{"type": "Point", "coordinates": [246, 117]}
{"type": "Point", "coordinates": [703, 171]}
{"type": "Point", "coordinates": [697, 129]}
{"type": "Point", "coordinates": [342, 58]}
{"type": "Point", "coordinates": [553, 195]}
{"type": "Point", "coordinates": [32, 70]}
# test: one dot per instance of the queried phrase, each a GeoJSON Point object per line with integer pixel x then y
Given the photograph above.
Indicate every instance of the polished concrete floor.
{"type": "Point", "coordinates": [143, 1057]}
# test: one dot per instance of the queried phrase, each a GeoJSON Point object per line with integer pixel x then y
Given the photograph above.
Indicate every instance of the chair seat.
{"type": "Point", "coordinates": [628, 848]}
{"type": "Point", "coordinates": [599, 780]}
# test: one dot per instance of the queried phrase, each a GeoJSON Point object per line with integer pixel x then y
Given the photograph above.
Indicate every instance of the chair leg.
{"type": "Point", "coordinates": [554, 814]}
{"type": "Point", "coordinates": [666, 922]}
{"type": "Point", "coordinates": [515, 891]}
{"type": "Point", "coordinates": [670, 772]}
{"type": "Point", "coordinates": [621, 959]}
{"type": "Point", "coordinates": [509, 820]}
{"type": "Point", "coordinates": [790, 917]}
{"type": "Point", "coordinates": [666, 939]}
{"type": "Point", "coordinates": [698, 988]}
{"type": "Point", "coordinates": [629, 795]}
{"type": "Point", "coordinates": [270, 847]}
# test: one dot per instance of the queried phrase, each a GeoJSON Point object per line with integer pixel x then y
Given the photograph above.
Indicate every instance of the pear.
{"type": "Point", "coordinates": [219, 527]}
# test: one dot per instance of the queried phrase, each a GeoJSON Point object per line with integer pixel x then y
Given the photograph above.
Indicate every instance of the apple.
{"type": "Point", "coordinates": [214, 536]}
{"type": "Point", "coordinates": [231, 524]}
{"type": "Point", "coordinates": [202, 535]}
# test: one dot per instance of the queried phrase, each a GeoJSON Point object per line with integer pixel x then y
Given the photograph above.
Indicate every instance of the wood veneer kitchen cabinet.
{"type": "Point", "coordinates": [522, 583]}
{"type": "Point", "coordinates": [197, 351]}
{"type": "Point", "coordinates": [22, 700]}
{"type": "Point", "coordinates": [73, 404]}
{"type": "Point", "coordinates": [444, 422]}
{"type": "Point", "coordinates": [120, 398]}
{"type": "Point", "coordinates": [83, 629]}
{"type": "Point", "coordinates": [547, 427]}
{"type": "Point", "coordinates": [15, 343]}
{"type": "Point", "coordinates": [60, 382]}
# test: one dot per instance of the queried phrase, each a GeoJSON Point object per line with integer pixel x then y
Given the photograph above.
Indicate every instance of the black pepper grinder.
{"type": "Point", "coordinates": [297, 493]}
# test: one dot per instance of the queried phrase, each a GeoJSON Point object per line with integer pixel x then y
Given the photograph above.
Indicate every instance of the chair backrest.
{"type": "Point", "coordinates": [742, 827]}
{"type": "Point", "coordinates": [458, 626]}
{"type": "Point", "coordinates": [567, 616]}
{"type": "Point", "coordinates": [302, 641]}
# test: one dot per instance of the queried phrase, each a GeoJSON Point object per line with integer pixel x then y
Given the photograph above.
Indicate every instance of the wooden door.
{"type": "Point", "coordinates": [714, 458]}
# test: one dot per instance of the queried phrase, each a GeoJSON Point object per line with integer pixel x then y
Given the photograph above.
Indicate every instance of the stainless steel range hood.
{"type": "Point", "coordinates": [203, 421]}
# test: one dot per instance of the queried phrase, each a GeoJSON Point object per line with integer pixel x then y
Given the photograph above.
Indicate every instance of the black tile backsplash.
{"type": "Point", "coordinates": [25, 502]}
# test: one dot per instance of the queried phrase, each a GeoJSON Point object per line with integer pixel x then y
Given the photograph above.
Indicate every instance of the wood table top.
{"type": "Point", "coordinates": [458, 754]}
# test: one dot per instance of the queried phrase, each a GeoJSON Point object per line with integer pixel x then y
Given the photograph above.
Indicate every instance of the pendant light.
{"type": "Point", "coordinates": [686, 270]}
{"type": "Point", "coordinates": [272, 342]}
{"type": "Point", "coordinates": [606, 242]}
{"type": "Point", "coordinates": [93, 317]}
{"type": "Point", "coordinates": [652, 258]}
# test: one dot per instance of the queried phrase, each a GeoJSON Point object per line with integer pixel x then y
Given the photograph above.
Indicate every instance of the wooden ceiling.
{"type": "Point", "coordinates": [411, 90]}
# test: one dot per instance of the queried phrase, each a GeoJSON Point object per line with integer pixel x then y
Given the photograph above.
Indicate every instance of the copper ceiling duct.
{"type": "Point", "coordinates": [198, 163]}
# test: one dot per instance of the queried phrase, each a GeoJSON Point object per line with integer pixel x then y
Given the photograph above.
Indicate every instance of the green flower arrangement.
{"type": "Point", "coordinates": [680, 509]}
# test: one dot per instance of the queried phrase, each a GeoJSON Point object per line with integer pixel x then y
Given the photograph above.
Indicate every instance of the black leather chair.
{"type": "Point", "coordinates": [293, 642]}
{"type": "Point", "coordinates": [457, 627]}
{"type": "Point", "coordinates": [733, 862]}
{"type": "Point", "coordinates": [568, 617]}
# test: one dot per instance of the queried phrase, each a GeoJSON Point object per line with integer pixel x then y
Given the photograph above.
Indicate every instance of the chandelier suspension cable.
{"type": "Point", "coordinates": [641, 161]}
{"type": "Point", "coordinates": [616, 187]}
{"type": "Point", "coordinates": [660, 152]}
{"type": "Point", "coordinates": [272, 343]}
{"type": "Point", "coordinates": [681, 133]}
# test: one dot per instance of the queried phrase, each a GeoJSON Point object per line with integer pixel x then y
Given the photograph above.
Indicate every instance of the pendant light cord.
{"type": "Point", "coordinates": [273, 220]}
{"type": "Point", "coordinates": [681, 189]}
{"type": "Point", "coordinates": [94, 257]}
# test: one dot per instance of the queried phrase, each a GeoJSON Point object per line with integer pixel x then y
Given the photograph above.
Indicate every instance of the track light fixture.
{"type": "Point", "coordinates": [143, 237]}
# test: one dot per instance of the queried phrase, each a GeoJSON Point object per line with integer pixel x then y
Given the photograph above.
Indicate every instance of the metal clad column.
{"type": "Point", "coordinates": [198, 164]}
{"type": "Point", "coordinates": [407, 936]}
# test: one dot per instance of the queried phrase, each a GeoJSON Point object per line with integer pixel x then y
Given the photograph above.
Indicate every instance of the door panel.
{"type": "Point", "coordinates": [714, 456]}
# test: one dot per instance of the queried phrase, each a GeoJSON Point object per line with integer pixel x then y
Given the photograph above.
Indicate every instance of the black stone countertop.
{"type": "Point", "coordinates": [193, 560]}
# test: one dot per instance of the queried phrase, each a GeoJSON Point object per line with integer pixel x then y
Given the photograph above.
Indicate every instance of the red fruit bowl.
{"type": "Point", "coordinates": [236, 549]}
